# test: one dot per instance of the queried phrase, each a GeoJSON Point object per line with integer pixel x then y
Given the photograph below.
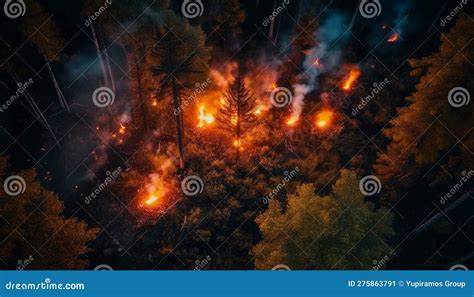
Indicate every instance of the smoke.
{"type": "Point", "coordinates": [330, 37]}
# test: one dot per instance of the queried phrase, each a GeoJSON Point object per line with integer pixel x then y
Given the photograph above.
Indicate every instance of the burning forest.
{"type": "Point", "coordinates": [144, 135]}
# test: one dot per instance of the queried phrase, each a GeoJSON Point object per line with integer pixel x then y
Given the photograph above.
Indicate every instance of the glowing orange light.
{"type": "Point", "coordinates": [394, 37]}
{"type": "Point", "coordinates": [154, 103]}
{"type": "Point", "coordinates": [292, 121]}
{"type": "Point", "coordinates": [151, 200]}
{"type": "Point", "coordinates": [238, 144]}
{"type": "Point", "coordinates": [348, 83]}
{"type": "Point", "coordinates": [122, 129]}
{"type": "Point", "coordinates": [204, 118]}
{"type": "Point", "coordinates": [258, 111]}
{"type": "Point", "coordinates": [234, 119]}
{"type": "Point", "coordinates": [317, 62]}
{"type": "Point", "coordinates": [324, 118]}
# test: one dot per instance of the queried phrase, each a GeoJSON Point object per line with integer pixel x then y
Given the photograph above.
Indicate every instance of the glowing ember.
{"type": "Point", "coordinates": [151, 200]}
{"type": "Point", "coordinates": [122, 129]}
{"type": "Point", "coordinates": [324, 118]}
{"type": "Point", "coordinates": [348, 83]}
{"type": "Point", "coordinates": [393, 38]}
{"type": "Point", "coordinates": [204, 118]}
{"type": "Point", "coordinates": [317, 62]}
{"type": "Point", "coordinates": [234, 119]}
{"type": "Point", "coordinates": [154, 103]}
{"type": "Point", "coordinates": [292, 121]}
{"type": "Point", "coordinates": [258, 111]}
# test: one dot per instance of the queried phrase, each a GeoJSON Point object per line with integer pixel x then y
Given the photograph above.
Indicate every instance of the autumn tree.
{"type": "Point", "coordinates": [429, 129]}
{"type": "Point", "coordinates": [33, 225]}
{"type": "Point", "coordinates": [338, 231]}
{"type": "Point", "coordinates": [179, 60]}
{"type": "Point", "coordinates": [237, 113]}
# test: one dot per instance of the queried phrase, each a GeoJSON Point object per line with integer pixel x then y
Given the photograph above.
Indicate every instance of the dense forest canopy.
{"type": "Point", "coordinates": [234, 134]}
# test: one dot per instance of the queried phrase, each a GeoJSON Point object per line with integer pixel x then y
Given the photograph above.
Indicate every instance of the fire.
{"type": "Point", "coordinates": [258, 110]}
{"type": "Point", "coordinates": [353, 76]}
{"type": "Point", "coordinates": [317, 62]}
{"type": "Point", "coordinates": [292, 121]}
{"type": "Point", "coordinates": [154, 103]}
{"type": "Point", "coordinates": [204, 118]}
{"type": "Point", "coordinates": [122, 129]}
{"type": "Point", "coordinates": [393, 38]}
{"type": "Point", "coordinates": [324, 118]}
{"type": "Point", "coordinates": [234, 119]}
{"type": "Point", "coordinates": [151, 200]}
{"type": "Point", "coordinates": [238, 144]}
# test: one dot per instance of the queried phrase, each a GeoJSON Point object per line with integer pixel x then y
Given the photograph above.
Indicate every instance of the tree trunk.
{"type": "Point", "coordinates": [140, 91]}
{"type": "Point", "coordinates": [179, 124]}
{"type": "Point", "coordinates": [99, 55]}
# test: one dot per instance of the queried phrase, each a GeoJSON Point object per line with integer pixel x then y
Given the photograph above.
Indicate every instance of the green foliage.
{"type": "Point", "coordinates": [338, 231]}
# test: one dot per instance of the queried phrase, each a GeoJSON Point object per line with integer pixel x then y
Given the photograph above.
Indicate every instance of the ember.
{"type": "Point", "coordinates": [393, 38]}
{"type": "Point", "coordinates": [292, 121]}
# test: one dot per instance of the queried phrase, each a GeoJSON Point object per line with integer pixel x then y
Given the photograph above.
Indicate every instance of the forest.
{"type": "Point", "coordinates": [236, 135]}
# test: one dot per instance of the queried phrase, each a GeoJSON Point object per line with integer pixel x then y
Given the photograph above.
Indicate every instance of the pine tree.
{"type": "Point", "coordinates": [179, 60]}
{"type": "Point", "coordinates": [237, 113]}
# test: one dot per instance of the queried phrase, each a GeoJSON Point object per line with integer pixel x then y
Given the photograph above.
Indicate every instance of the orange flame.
{"type": "Point", "coordinates": [292, 121]}
{"type": "Point", "coordinates": [204, 118]}
{"type": "Point", "coordinates": [324, 118]}
{"type": "Point", "coordinates": [317, 62]}
{"type": "Point", "coordinates": [258, 110]}
{"type": "Point", "coordinates": [348, 83]}
{"type": "Point", "coordinates": [393, 38]}
{"type": "Point", "coordinates": [238, 144]}
{"type": "Point", "coordinates": [151, 200]}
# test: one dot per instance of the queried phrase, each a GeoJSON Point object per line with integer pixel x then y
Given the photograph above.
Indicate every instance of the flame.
{"type": "Point", "coordinates": [393, 38]}
{"type": "Point", "coordinates": [238, 144]}
{"type": "Point", "coordinates": [234, 119]}
{"type": "Point", "coordinates": [317, 62]}
{"type": "Point", "coordinates": [122, 129]}
{"type": "Point", "coordinates": [293, 120]}
{"type": "Point", "coordinates": [154, 103]}
{"type": "Point", "coordinates": [204, 118]}
{"type": "Point", "coordinates": [151, 200]}
{"type": "Point", "coordinates": [324, 118]}
{"type": "Point", "coordinates": [348, 83]}
{"type": "Point", "coordinates": [258, 110]}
